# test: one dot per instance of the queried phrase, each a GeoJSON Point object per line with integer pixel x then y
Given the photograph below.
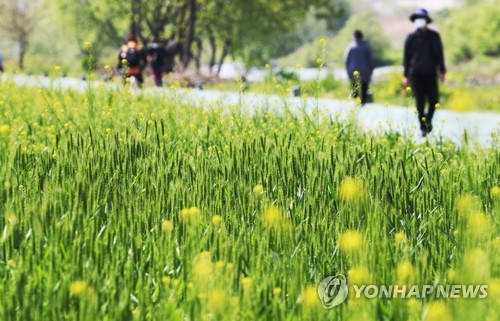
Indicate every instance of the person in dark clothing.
{"type": "Point", "coordinates": [156, 58]}
{"type": "Point", "coordinates": [359, 66]}
{"type": "Point", "coordinates": [423, 64]}
{"type": "Point", "coordinates": [1, 62]}
{"type": "Point", "coordinates": [131, 60]}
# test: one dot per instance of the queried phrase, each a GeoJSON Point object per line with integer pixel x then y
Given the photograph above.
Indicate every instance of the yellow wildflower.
{"type": "Point", "coordinates": [437, 311]}
{"type": "Point", "coordinates": [4, 129]}
{"type": "Point", "coordinates": [77, 288]}
{"type": "Point", "coordinates": [452, 275]}
{"type": "Point", "coordinates": [351, 241]}
{"type": "Point", "coordinates": [217, 300]}
{"type": "Point", "coordinates": [350, 189]}
{"type": "Point", "coordinates": [203, 266]}
{"type": "Point", "coordinates": [258, 189]}
{"type": "Point", "coordinates": [466, 204]}
{"type": "Point", "coordinates": [479, 225]}
{"type": "Point", "coordinates": [216, 219]}
{"type": "Point", "coordinates": [167, 226]}
{"type": "Point", "coordinates": [476, 265]}
{"type": "Point", "coordinates": [495, 191]}
{"type": "Point", "coordinates": [405, 272]}
{"type": "Point", "coordinates": [359, 275]}
{"type": "Point", "coordinates": [309, 297]}
{"type": "Point", "coordinates": [273, 217]}
{"type": "Point", "coordinates": [400, 238]}
{"type": "Point", "coordinates": [190, 214]}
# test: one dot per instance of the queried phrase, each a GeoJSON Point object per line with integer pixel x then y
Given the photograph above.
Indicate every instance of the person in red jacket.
{"type": "Point", "coordinates": [423, 64]}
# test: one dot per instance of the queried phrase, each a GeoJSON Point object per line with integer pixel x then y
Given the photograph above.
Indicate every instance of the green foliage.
{"type": "Point", "coordinates": [373, 34]}
{"type": "Point", "coordinates": [383, 53]}
{"type": "Point", "coordinates": [123, 207]}
{"type": "Point", "coordinates": [463, 43]}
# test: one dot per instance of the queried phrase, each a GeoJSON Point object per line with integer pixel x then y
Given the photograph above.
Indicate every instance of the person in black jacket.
{"type": "Point", "coordinates": [156, 58]}
{"type": "Point", "coordinates": [423, 65]}
{"type": "Point", "coordinates": [359, 66]}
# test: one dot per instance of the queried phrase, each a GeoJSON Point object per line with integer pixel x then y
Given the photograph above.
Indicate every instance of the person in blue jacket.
{"type": "Point", "coordinates": [359, 66]}
{"type": "Point", "coordinates": [423, 62]}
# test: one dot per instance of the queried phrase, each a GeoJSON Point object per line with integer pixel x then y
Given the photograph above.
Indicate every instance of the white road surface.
{"type": "Point", "coordinates": [375, 117]}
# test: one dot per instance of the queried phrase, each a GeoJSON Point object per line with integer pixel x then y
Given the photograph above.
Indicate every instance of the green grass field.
{"type": "Point", "coordinates": [124, 207]}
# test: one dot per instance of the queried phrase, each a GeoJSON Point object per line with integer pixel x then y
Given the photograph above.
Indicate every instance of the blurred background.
{"type": "Point", "coordinates": [220, 40]}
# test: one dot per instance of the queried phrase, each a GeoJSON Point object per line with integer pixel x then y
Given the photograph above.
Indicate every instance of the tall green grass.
{"type": "Point", "coordinates": [124, 207]}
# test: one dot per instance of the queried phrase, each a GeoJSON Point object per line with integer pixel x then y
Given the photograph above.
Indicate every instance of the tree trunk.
{"type": "Point", "coordinates": [225, 51]}
{"type": "Point", "coordinates": [190, 34]}
{"type": "Point", "coordinates": [213, 49]}
{"type": "Point", "coordinates": [23, 43]}
{"type": "Point", "coordinates": [197, 57]}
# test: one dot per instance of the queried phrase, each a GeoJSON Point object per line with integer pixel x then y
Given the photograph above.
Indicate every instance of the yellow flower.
{"type": "Point", "coordinates": [476, 265]}
{"type": "Point", "coordinates": [408, 89]}
{"type": "Point", "coordinates": [87, 44]}
{"type": "Point", "coordinates": [479, 225]}
{"type": "Point", "coordinates": [359, 275]}
{"type": "Point", "coordinates": [57, 68]}
{"type": "Point", "coordinates": [217, 300]}
{"type": "Point", "coordinates": [276, 291]}
{"type": "Point", "coordinates": [355, 73]}
{"type": "Point", "coordinates": [246, 282]}
{"type": "Point", "coordinates": [405, 272]}
{"type": "Point", "coordinates": [452, 275]}
{"type": "Point", "coordinates": [216, 219]}
{"type": "Point", "coordinates": [190, 214]}
{"type": "Point", "coordinates": [219, 265]}
{"type": "Point", "coordinates": [466, 204]}
{"type": "Point", "coordinates": [495, 191]}
{"type": "Point", "coordinates": [298, 66]}
{"type": "Point", "coordinates": [309, 297]}
{"type": "Point", "coordinates": [106, 67]}
{"type": "Point", "coordinates": [351, 241]}
{"type": "Point", "coordinates": [273, 217]}
{"type": "Point", "coordinates": [319, 61]}
{"type": "Point", "coordinates": [400, 238]}
{"type": "Point", "coordinates": [77, 288]}
{"type": "Point", "coordinates": [438, 105]}
{"type": "Point", "coordinates": [258, 189]}
{"type": "Point", "coordinates": [203, 267]}
{"type": "Point", "coordinates": [11, 263]}
{"type": "Point", "coordinates": [358, 100]}
{"type": "Point", "coordinates": [165, 280]}
{"type": "Point", "coordinates": [167, 226]}
{"type": "Point", "coordinates": [494, 289]}
{"type": "Point", "coordinates": [4, 129]}
{"type": "Point", "coordinates": [350, 189]}
{"type": "Point", "coordinates": [321, 41]}
{"type": "Point", "coordinates": [437, 311]}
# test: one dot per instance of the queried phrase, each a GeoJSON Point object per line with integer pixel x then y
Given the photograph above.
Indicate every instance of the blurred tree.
{"type": "Point", "coordinates": [254, 30]}
{"type": "Point", "coordinates": [373, 34]}
{"type": "Point", "coordinates": [17, 20]}
{"type": "Point", "coordinates": [463, 43]}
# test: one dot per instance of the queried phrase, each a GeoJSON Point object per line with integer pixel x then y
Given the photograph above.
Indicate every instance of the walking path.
{"type": "Point", "coordinates": [373, 117]}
